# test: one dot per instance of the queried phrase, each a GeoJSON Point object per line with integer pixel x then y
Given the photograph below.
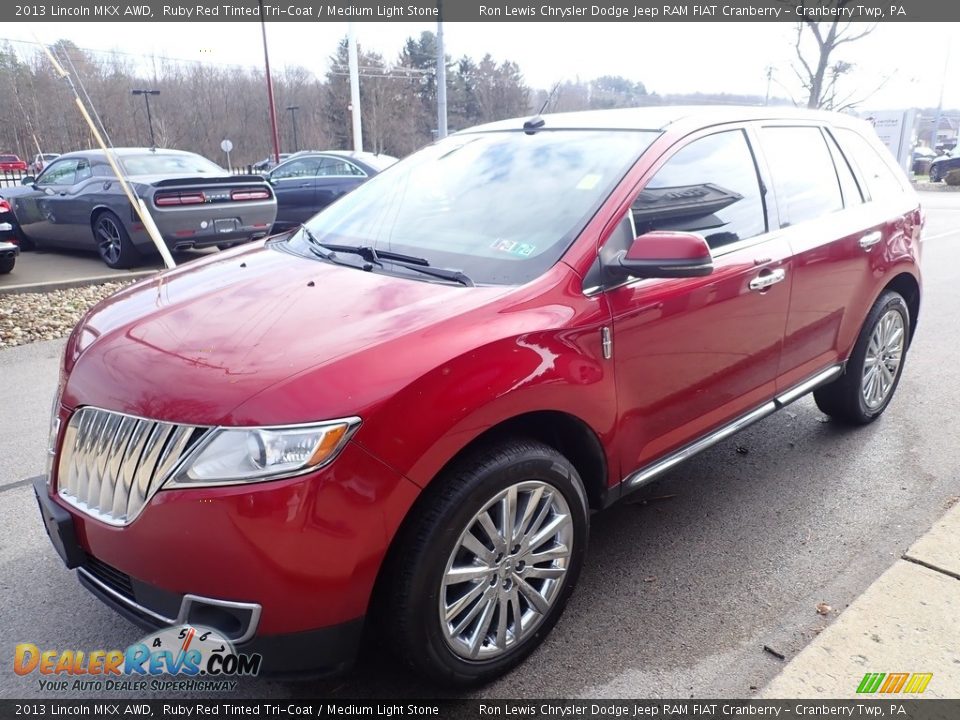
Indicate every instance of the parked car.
{"type": "Point", "coordinates": [401, 415]}
{"type": "Point", "coordinates": [943, 164]}
{"type": "Point", "coordinates": [268, 162]}
{"type": "Point", "coordinates": [9, 246]}
{"type": "Point", "coordinates": [40, 161]}
{"type": "Point", "coordinates": [77, 202]}
{"type": "Point", "coordinates": [12, 163]}
{"type": "Point", "coordinates": [311, 180]}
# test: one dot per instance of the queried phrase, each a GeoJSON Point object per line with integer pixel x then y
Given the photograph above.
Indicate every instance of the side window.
{"type": "Point", "coordinates": [848, 183]}
{"type": "Point", "coordinates": [708, 187]}
{"type": "Point", "coordinates": [83, 171]}
{"type": "Point", "coordinates": [62, 172]}
{"type": "Point", "coordinates": [882, 183]}
{"type": "Point", "coordinates": [302, 167]}
{"type": "Point", "coordinates": [334, 166]}
{"type": "Point", "coordinates": [803, 174]}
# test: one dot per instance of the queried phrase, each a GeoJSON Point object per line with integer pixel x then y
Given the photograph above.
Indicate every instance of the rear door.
{"type": "Point", "coordinates": [694, 354]}
{"type": "Point", "coordinates": [295, 185]}
{"type": "Point", "coordinates": [336, 178]}
{"type": "Point", "coordinates": [823, 217]}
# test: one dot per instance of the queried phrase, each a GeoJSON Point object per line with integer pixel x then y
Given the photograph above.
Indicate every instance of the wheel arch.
{"type": "Point", "coordinates": [909, 288]}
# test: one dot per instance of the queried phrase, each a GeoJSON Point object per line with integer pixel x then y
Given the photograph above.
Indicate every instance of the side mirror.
{"type": "Point", "coordinates": [27, 180]}
{"type": "Point", "coordinates": [664, 254]}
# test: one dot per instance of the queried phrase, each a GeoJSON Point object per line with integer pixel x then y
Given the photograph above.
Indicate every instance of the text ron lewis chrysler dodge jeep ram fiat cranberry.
{"type": "Point", "coordinates": [398, 416]}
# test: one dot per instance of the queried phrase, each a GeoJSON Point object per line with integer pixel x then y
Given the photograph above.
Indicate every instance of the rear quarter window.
{"type": "Point", "coordinates": [882, 181]}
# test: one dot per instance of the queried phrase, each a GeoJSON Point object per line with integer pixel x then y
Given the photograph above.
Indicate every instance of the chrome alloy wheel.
{"type": "Point", "coordinates": [506, 570]}
{"type": "Point", "coordinates": [108, 239]}
{"type": "Point", "coordinates": [883, 358]}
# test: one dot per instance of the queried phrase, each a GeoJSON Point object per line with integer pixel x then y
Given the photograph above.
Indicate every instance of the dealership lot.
{"type": "Point", "coordinates": [683, 587]}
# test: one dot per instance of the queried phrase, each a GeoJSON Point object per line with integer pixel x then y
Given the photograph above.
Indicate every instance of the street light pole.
{"type": "Point", "coordinates": [293, 116]}
{"type": "Point", "coordinates": [146, 97]}
{"type": "Point", "coordinates": [441, 78]}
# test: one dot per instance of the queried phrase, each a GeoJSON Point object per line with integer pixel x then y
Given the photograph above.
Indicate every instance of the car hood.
{"type": "Point", "coordinates": [193, 344]}
{"type": "Point", "coordinates": [15, 191]}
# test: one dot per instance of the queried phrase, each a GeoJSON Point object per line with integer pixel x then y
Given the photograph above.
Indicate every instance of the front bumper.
{"type": "Point", "coordinates": [298, 557]}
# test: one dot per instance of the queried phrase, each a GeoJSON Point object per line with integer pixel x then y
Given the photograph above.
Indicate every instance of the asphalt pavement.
{"type": "Point", "coordinates": [683, 587]}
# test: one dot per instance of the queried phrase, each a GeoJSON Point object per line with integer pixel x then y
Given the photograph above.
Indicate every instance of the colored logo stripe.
{"type": "Point", "coordinates": [870, 682]}
{"type": "Point", "coordinates": [894, 683]}
{"type": "Point", "coordinates": [918, 682]}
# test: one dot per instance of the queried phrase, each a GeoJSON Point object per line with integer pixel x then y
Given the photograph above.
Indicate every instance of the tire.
{"type": "Point", "coordinates": [113, 242]}
{"type": "Point", "coordinates": [853, 398]}
{"type": "Point", "coordinates": [934, 173]}
{"type": "Point", "coordinates": [6, 265]}
{"type": "Point", "coordinates": [435, 538]}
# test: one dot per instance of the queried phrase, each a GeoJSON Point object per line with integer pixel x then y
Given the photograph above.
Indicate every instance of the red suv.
{"type": "Point", "coordinates": [400, 415]}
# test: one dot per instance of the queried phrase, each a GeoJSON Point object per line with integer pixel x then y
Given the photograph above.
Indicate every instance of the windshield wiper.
{"type": "Point", "coordinates": [371, 254]}
{"type": "Point", "coordinates": [421, 265]}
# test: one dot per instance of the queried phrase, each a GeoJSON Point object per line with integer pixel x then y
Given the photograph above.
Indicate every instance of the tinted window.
{"type": "Point", "coordinates": [302, 167]}
{"type": "Point", "coordinates": [803, 173]}
{"type": "Point", "coordinates": [708, 187]}
{"type": "Point", "coordinates": [62, 172]}
{"type": "Point", "coordinates": [848, 184]}
{"type": "Point", "coordinates": [338, 167]}
{"type": "Point", "coordinates": [881, 181]}
{"type": "Point", "coordinates": [169, 164]}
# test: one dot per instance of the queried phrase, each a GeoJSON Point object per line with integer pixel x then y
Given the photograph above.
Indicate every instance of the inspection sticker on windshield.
{"type": "Point", "coordinates": [588, 182]}
{"type": "Point", "coordinates": [514, 248]}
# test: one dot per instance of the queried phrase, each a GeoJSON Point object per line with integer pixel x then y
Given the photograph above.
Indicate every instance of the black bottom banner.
{"type": "Point", "coordinates": [910, 709]}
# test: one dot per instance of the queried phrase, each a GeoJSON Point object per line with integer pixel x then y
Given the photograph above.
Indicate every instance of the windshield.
{"type": "Point", "coordinates": [163, 164]}
{"type": "Point", "coordinates": [502, 207]}
{"type": "Point", "coordinates": [8, 158]}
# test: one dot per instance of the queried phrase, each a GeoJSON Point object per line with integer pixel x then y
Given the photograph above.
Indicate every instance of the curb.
{"type": "Point", "coordinates": [903, 624]}
{"type": "Point", "coordinates": [44, 287]}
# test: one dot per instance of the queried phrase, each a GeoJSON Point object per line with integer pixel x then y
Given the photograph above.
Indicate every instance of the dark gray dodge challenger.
{"type": "Point", "coordinates": [77, 202]}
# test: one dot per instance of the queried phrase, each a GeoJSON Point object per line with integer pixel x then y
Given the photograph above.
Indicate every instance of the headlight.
{"type": "Point", "coordinates": [228, 456]}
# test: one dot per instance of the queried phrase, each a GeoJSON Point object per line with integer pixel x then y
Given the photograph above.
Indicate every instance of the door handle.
{"type": "Point", "coordinates": [762, 282]}
{"type": "Point", "coordinates": [870, 239]}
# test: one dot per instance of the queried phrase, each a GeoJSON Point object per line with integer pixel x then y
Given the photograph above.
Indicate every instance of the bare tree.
{"type": "Point", "coordinates": [818, 75]}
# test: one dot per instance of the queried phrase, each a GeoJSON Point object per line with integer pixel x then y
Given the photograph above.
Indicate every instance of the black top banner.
{"type": "Point", "coordinates": [479, 10]}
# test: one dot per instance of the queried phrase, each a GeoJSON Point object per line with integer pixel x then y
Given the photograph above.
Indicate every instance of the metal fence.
{"type": "Point", "coordinates": [9, 178]}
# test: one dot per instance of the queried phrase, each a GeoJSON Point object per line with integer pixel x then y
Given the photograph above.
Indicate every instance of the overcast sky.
{"type": "Point", "coordinates": [666, 57]}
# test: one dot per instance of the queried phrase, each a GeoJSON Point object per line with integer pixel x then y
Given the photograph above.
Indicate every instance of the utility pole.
{"type": "Point", "coordinates": [354, 87]}
{"type": "Point", "coordinates": [769, 79]}
{"type": "Point", "coordinates": [146, 97]}
{"type": "Point", "coordinates": [293, 117]}
{"type": "Point", "coordinates": [936, 122]}
{"type": "Point", "coordinates": [273, 105]}
{"type": "Point", "coordinates": [441, 77]}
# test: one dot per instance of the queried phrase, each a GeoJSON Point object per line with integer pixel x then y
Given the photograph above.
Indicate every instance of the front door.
{"type": "Point", "coordinates": [694, 354]}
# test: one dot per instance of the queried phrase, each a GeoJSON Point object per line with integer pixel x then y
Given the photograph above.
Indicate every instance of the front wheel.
{"type": "Point", "coordinates": [934, 173]}
{"type": "Point", "coordinates": [486, 563]}
{"type": "Point", "coordinates": [862, 393]}
{"type": "Point", "coordinates": [113, 242]}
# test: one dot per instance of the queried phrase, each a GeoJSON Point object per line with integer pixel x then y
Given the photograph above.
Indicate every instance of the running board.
{"type": "Point", "coordinates": [645, 475]}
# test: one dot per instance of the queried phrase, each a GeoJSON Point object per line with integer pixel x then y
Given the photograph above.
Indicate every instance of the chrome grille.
{"type": "Point", "coordinates": [111, 464]}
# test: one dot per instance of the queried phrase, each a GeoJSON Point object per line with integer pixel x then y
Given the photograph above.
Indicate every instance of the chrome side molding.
{"type": "Point", "coordinates": [646, 474]}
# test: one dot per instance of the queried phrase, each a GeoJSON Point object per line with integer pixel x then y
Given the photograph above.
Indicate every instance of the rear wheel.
{"type": "Point", "coordinates": [862, 393]}
{"type": "Point", "coordinates": [6, 264]}
{"type": "Point", "coordinates": [113, 242]}
{"type": "Point", "coordinates": [485, 565]}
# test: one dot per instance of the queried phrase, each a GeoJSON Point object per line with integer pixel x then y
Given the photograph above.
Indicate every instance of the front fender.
{"type": "Point", "coordinates": [421, 428]}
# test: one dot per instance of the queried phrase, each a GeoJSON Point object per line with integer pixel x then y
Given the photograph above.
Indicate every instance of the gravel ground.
{"type": "Point", "coordinates": [29, 317]}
